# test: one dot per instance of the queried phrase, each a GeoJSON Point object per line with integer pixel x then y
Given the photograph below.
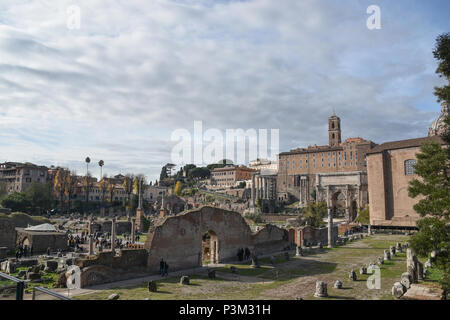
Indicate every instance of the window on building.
{"type": "Point", "coordinates": [409, 166]}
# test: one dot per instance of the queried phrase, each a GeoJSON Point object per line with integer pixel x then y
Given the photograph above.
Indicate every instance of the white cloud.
{"type": "Point", "coordinates": [136, 70]}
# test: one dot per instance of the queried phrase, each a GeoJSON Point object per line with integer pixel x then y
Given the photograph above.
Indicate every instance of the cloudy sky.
{"type": "Point", "coordinates": [116, 85]}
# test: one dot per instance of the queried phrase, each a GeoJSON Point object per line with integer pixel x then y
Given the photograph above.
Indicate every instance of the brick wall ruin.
{"type": "Point", "coordinates": [105, 268]}
{"type": "Point", "coordinates": [7, 233]}
{"type": "Point", "coordinates": [178, 239]}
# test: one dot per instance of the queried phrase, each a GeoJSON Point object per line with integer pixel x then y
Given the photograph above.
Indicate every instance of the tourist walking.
{"type": "Point", "coordinates": [166, 269]}
{"type": "Point", "coordinates": [161, 267]}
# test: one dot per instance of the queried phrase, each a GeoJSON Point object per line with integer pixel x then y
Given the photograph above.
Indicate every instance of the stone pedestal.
{"type": "Point", "coordinates": [363, 270]}
{"type": "Point", "coordinates": [352, 275]}
{"type": "Point", "coordinates": [338, 284]}
{"type": "Point", "coordinates": [321, 289]}
{"type": "Point", "coordinates": [398, 290]}
{"type": "Point", "coordinates": [139, 220]}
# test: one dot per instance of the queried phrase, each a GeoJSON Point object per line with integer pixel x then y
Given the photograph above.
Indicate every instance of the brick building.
{"type": "Point", "coordinates": [19, 176]}
{"type": "Point", "coordinates": [299, 169]}
{"type": "Point", "coordinates": [230, 176]}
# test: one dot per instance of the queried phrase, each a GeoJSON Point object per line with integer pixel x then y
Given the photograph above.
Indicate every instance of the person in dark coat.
{"type": "Point", "coordinates": [166, 269]}
{"type": "Point", "coordinates": [161, 267]}
{"type": "Point", "coordinates": [247, 254]}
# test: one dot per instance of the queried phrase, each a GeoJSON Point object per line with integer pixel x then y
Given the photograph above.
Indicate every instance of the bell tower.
{"type": "Point", "coordinates": [334, 130]}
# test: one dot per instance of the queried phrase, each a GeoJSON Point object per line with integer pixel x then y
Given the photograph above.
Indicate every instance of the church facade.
{"type": "Point", "coordinates": [390, 168]}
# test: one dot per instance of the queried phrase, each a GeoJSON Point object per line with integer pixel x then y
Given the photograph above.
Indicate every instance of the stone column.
{"type": "Point", "coordinates": [260, 189]}
{"type": "Point", "coordinates": [300, 197]}
{"type": "Point", "coordinates": [253, 191]}
{"type": "Point", "coordinates": [330, 229]}
{"type": "Point", "coordinates": [307, 190]}
{"type": "Point", "coordinates": [266, 191]}
{"type": "Point", "coordinates": [91, 245]}
{"type": "Point", "coordinates": [133, 230]}
{"type": "Point", "coordinates": [113, 233]}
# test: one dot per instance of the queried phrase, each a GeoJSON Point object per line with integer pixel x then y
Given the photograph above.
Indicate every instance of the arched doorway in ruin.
{"type": "Point", "coordinates": [26, 242]}
{"type": "Point", "coordinates": [210, 248]}
{"type": "Point", "coordinates": [338, 204]}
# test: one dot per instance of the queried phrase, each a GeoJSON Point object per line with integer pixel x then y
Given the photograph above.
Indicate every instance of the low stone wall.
{"type": "Point", "coordinates": [7, 233]}
{"type": "Point", "coordinates": [311, 235]}
{"type": "Point", "coordinates": [127, 258]}
{"type": "Point", "coordinates": [105, 268]}
{"type": "Point", "coordinates": [276, 218]}
{"type": "Point", "coordinates": [270, 239]}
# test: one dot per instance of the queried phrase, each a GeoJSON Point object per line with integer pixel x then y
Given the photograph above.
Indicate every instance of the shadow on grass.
{"type": "Point", "coordinates": [341, 298]}
{"type": "Point", "coordinates": [162, 291]}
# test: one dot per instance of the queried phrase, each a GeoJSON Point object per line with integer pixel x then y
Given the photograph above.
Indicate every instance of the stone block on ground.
{"type": "Point", "coordinates": [398, 290]}
{"type": "Point", "coordinates": [321, 289]}
{"type": "Point", "coordinates": [114, 296]}
{"type": "Point", "coordinates": [152, 287]}
{"type": "Point", "coordinates": [184, 280]}
{"type": "Point", "coordinates": [338, 284]}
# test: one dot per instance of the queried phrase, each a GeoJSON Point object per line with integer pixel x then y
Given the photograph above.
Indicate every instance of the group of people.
{"type": "Point", "coordinates": [163, 268]}
{"type": "Point", "coordinates": [243, 254]}
{"type": "Point", "coordinates": [75, 241]}
{"type": "Point", "coordinates": [24, 251]}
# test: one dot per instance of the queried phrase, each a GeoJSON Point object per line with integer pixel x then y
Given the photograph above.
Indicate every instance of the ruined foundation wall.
{"type": "Point", "coordinates": [270, 239]}
{"type": "Point", "coordinates": [7, 234]}
{"type": "Point", "coordinates": [127, 258]}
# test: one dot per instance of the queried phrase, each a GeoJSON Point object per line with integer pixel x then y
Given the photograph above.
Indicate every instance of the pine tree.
{"type": "Point", "coordinates": [433, 168]}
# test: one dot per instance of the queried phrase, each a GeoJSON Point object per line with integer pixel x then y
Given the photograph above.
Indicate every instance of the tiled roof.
{"type": "Point", "coordinates": [401, 144]}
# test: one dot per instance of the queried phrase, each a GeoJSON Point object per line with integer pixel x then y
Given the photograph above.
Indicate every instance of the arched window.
{"type": "Point", "coordinates": [409, 166]}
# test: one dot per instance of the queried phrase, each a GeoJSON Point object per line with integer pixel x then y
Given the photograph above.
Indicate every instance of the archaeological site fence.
{"type": "Point", "coordinates": [40, 293]}
{"type": "Point", "coordinates": [11, 288]}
